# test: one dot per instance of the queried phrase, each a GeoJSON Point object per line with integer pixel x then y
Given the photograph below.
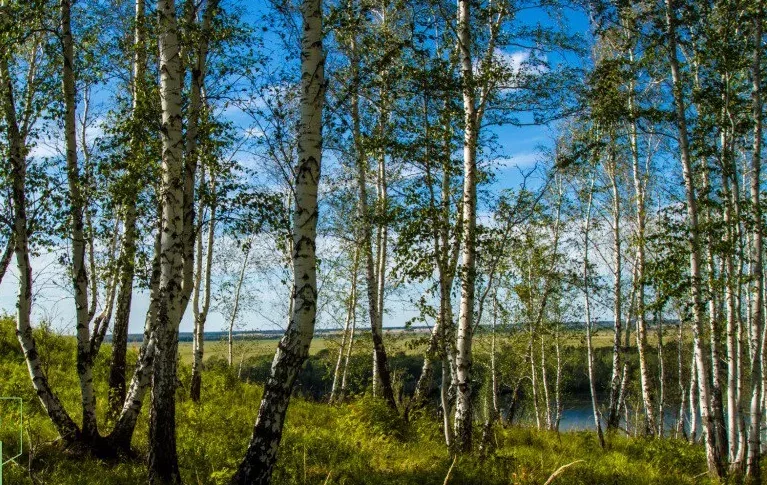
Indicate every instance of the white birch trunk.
{"type": "Point", "coordinates": [260, 457]}
{"type": "Point", "coordinates": [117, 367]}
{"type": "Point", "coordinates": [713, 460]}
{"type": "Point", "coordinates": [347, 334]}
{"type": "Point", "coordinates": [754, 436]}
{"type": "Point", "coordinates": [381, 373]}
{"type": "Point", "coordinates": [76, 210]}
{"type": "Point", "coordinates": [163, 460]}
{"type": "Point", "coordinates": [65, 426]}
{"type": "Point", "coordinates": [201, 312]}
{"type": "Point", "coordinates": [613, 418]}
{"type": "Point", "coordinates": [463, 406]}
{"type": "Point", "coordinates": [587, 305]}
{"type": "Point", "coordinates": [545, 387]}
{"type": "Point", "coordinates": [235, 309]}
{"type": "Point", "coordinates": [641, 218]}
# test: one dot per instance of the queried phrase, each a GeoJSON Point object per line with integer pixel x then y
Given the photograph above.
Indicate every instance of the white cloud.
{"type": "Point", "coordinates": [519, 160]}
{"type": "Point", "coordinates": [521, 61]}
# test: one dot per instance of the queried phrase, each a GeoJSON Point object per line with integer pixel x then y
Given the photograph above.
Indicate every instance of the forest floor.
{"type": "Point", "coordinates": [359, 442]}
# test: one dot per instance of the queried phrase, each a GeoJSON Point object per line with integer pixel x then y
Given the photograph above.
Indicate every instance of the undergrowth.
{"type": "Point", "coordinates": [360, 442]}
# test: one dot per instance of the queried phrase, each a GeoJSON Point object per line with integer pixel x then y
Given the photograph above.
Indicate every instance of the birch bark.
{"type": "Point", "coordinates": [641, 219]}
{"type": "Point", "coordinates": [587, 305]}
{"type": "Point", "coordinates": [163, 460]}
{"type": "Point", "coordinates": [613, 418]}
{"type": "Point", "coordinates": [201, 312]}
{"type": "Point", "coordinates": [117, 365]}
{"type": "Point", "coordinates": [713, 460]}
{"type": "Point", "coordinates": [65, 426]}
{"type": "Point", "coordinates": [76, 210]}
{"type": "Point", "coordinates": [236, 308]}
{"type": "Point", "coordinates": [381, 372]}
{"type": "Point", "coordinates": [293, 349]}
{"type": "Point", "coordinates": [754, 436]}
{"type": "Point", "coordinates": [463, 406]}
{"type": "Point", "coordinates": [347, 336]}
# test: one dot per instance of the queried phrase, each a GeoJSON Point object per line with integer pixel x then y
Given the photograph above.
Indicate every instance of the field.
{"type": "Point", "coordinates": [359, 442]}
{"type": "Point", "coordinates": [245, 348]}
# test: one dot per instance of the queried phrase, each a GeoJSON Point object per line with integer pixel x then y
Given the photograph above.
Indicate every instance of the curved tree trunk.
{"type": "Point", "coordinates": [257, 466]}
{"type": "Point", "coordinates": [65, 426]}
{"type": "Point", "coordinates": [122, 433]}
{"type": "Point", "coordinates": [5, 259]}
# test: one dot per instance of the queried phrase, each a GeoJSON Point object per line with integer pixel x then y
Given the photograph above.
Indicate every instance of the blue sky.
{"type": "Point", "coordinates": [520, 149]}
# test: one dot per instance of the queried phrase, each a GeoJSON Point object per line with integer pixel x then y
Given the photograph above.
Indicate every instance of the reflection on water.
{"type": "Point", "coordinates": [577, 415]}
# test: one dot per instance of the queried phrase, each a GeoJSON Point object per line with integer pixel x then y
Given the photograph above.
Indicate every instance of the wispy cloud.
{"type": "Point", "coordinates": [521, 62]}
{"type": "Point", "coordinates": [519, 160]}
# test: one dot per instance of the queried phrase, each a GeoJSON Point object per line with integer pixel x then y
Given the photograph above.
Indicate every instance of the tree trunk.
{"type": "Point", "coordinates": [661, 375]}
{"type": "Point", "coordinates": [445, 403]}
{"type": "Point", "coordinates": [65, 426]}
{"type": "Point", "coordinates": [641, 218]}
{"type": "Point", "coordinates": [5, 259]}
{"type": "Point", "coordinates": [261, 455]}
{"type": "Point", "coordinates": [545, 387]}
{"type": "Point", "coordinates": [587, 305]}
{"type": "Point", "coordinates": [613, 418]}
{"type": "Point", "coordinates": [757, 340]}
{"type": "Point", "coordinates": [693, 397]}
{"type": "Point", "coordinates": [381, 362]}
{"type": "Point", "coordinates": [347, 333]}
{"type": "Point", "coordinates": [463, 406]}
{"type": "Point", "coordinates": [559, 405]}
{"type": "Point", "coordinates": [717, 405]}
{"type": "Point", "coordinates": [534, 379]}
{"type": "Point", "coordinates": [201, 313]}
{"type": "Point", "coordinates": [715, 467]}
{"type": "Point", "coordinates": [76, 209]}
{"type": "Point", "coordinates": [680, 429]}
{"type": "Point", "coordinates": [493, 369]}
{"type": "Point", "coordinates": [128, 256]}
{"type": "Point", "coordinates": [382, 240]}
{"type": "Point", "coordinates": [342, 392]}
{"type": "Point", "coordinates": [733, 277]}
{"type": "Point", "coordinates": [445, 258]}
{"type": "Point", "coordinates": [235, 309]}
{"type": "Point", "coordinates": [122, 433]}
{"type": "Point", "coordinates": [163, 460]}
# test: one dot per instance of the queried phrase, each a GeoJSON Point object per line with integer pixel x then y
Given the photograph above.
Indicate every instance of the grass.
{"type": "Point", "coordinates": [245, 348]}
{"type": "Point", "coordinates": [258, 347]}
{"type": "Point", "coordinates": [361, 442]}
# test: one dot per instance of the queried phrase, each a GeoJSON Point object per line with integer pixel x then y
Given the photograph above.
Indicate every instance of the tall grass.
{"type": "Point", "coordinates": [360, 442]}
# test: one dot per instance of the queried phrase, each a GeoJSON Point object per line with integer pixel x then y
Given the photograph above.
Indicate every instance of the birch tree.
{"type": "Point", "coordinates": [714, 461]}
{"type": "Point", "coordinates": [163, 461]}
{"type": "Point", "coordinates": [260, 457]}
